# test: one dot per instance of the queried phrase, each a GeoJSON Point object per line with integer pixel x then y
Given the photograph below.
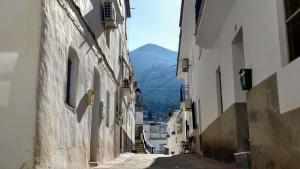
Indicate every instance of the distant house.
{"type": "Point", "coordinates": [240, 62]}
{"type": "Point", "coordinates": [178, 131]}
{"type": "Point", "coordinates": [156, 135]}
{"type": "Point", "coordinates": [66, 83]}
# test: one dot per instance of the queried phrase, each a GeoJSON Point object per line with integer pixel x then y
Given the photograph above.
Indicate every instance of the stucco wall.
{"type": "Point", "coordinates": [273, 135]}
{"type": "Point", "coordinates": [264, 52]}
{"type": "Point", "coordinates": [173, 138]}
{"type": "Point", "coordinates": [20, 34]}
{"type": "Point", "coordinates": [65, 133]}
{"type": "Point", "coordinates": [288, 84]}
{"type": "Point", "coordinates": [228, 134]}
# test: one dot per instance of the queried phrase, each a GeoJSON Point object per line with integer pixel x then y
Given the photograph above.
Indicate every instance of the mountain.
{"type": "Point", "coordinates": [155, 72]}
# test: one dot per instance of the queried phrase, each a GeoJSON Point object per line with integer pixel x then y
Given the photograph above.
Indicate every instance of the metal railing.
{"type": "Point", "coordinates": [127, 77]}
{"type": "Point", "coordinates": [149, 148]}
{"type": "Point", "coordinates": [158, 135]}
{"type": "Point", "coordinates": [184, 93]}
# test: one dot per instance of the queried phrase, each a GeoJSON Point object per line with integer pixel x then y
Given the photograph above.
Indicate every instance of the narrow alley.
{"type": "Point", "coordinates": [159, 161]}
{"type": "Point", "coordinates": [150, 84]}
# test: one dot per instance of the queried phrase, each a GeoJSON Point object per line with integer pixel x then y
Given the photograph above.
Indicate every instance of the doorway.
{"type": "Point", "coordinates": [238, 64]}
{"type": "Point", "coordinates": [219, 90]}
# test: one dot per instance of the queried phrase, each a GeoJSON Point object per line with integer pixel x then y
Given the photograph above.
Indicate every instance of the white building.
{"type": "Point", "coordinates": [65, 83]}
{"type": "Point", "coordinates": [156, 135]}
{"type": "Point", "coordinates": [178, 130]}
{"type": "Point", "coordinates": [218, 39]}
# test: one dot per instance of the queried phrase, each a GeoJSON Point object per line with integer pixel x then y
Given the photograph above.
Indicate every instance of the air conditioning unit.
{"type": "Point", "coordinates": [185, 65]}
{"type": "Point", "coordinates": [109, 15]}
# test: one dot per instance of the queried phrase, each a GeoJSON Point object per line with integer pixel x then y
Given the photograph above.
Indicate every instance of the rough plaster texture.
{"type": "Point", "coordinates": [64, 132]}
{"type": "Point", "coordinates": [39, 130]}
{"type": "Point", "coordinates": [228, 134]}
{"type": "Point", "coordinates": [273, 136]}
{"type": "Point", "coordinates": [20, 34]}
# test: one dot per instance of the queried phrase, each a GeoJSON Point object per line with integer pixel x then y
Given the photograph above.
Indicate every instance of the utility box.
{"type": "Point", "coordinates": [246, 79]}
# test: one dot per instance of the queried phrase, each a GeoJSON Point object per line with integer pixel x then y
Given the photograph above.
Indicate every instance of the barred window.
{"type": "Point", "coordinates": [292, 8]}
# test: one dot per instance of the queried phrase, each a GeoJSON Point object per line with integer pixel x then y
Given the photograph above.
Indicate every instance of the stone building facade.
{"type": "Point", "coordinates": [66, 83]}
{"type": "Point", "coordinates": [224, 44]}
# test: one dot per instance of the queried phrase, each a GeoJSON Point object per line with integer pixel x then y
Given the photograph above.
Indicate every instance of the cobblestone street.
{"type": "Point", "coordinates": [150, 161]}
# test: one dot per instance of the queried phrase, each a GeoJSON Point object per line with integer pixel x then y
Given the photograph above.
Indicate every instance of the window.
{"type": "Point", "coordinates": [107, 33]}
{"type": "Point", "coordinates": [107, 108]}
{"type": "Point", "coordinates": [219, 90]}
{"type": "Point", "coordinates": [72, 76]}
{"type": "Point", "coordinates": [116, 101]}
{"type": "Point", "coordinates": [292, 8]}
{"type": "Point", "coordinates": [199, 114]}
{"type": "Point", "coordinates": [194, 115]}
{"type": "Point", "coordinates": [197, 9]}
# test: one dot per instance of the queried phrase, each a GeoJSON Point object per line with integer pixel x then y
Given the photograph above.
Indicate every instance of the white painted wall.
{"type": "Point", "coordinates": [288, 87]}
{"type": "Point", "coordinates": [264, 51]}
{"type": "Point", "coordinates": [174, 139]}
{"type": "Point", "coordinates": [157, 144]}
{"type": "Point", "coordinates": [20, 37]}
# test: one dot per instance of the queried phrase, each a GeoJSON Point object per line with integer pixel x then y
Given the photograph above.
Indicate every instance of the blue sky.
{"type": "Point", "coordinates": [154, 21]}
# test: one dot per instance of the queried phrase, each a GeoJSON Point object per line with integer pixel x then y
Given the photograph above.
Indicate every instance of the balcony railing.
{"type": "Point", "coordinates": [184, 93]}
{"type": "Point", "coordinates": [127, 78]}
{"type": "Point", "coordinates": [150, 149]}
{"type": "Point", "coordinates": [126, 83]}
{"type": "Point", "coordinates": [158, 135]}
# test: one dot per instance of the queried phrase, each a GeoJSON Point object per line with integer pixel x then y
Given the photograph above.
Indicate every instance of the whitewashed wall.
{"type": "Point", "coordinates": [264, 50]}
{"type": "Point", "coordinates": [288, 87]}
{"type": "Point", "coordinates": [37, 125]}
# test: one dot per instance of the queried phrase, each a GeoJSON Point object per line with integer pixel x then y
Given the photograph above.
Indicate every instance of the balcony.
{"type": "Point", "coordinates": [184, 97]}
{"type": "Point", "coordinates": [210, 17]}
{"type": "Point", "coordinates": [184, 93]}
{"type": "Point", "coordinates": [158, 136]}
{"type": "Point", "coordinates": [127, 84]}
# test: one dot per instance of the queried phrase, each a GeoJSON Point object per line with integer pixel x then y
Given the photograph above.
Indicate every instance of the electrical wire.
{"type": "Point", "coordinates": [164, 83]}
{"type": "Point", "coordinates": [158, 77]}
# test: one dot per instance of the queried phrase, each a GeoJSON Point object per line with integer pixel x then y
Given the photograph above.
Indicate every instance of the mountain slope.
{"type": "Point", "coordinates": [155, 72]}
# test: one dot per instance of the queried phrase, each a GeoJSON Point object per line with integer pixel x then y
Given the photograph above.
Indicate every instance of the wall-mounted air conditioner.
{"type": "Point", "coordinates": [185, 65]}
{"type": "Point", "coordinates": [109, 15]}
